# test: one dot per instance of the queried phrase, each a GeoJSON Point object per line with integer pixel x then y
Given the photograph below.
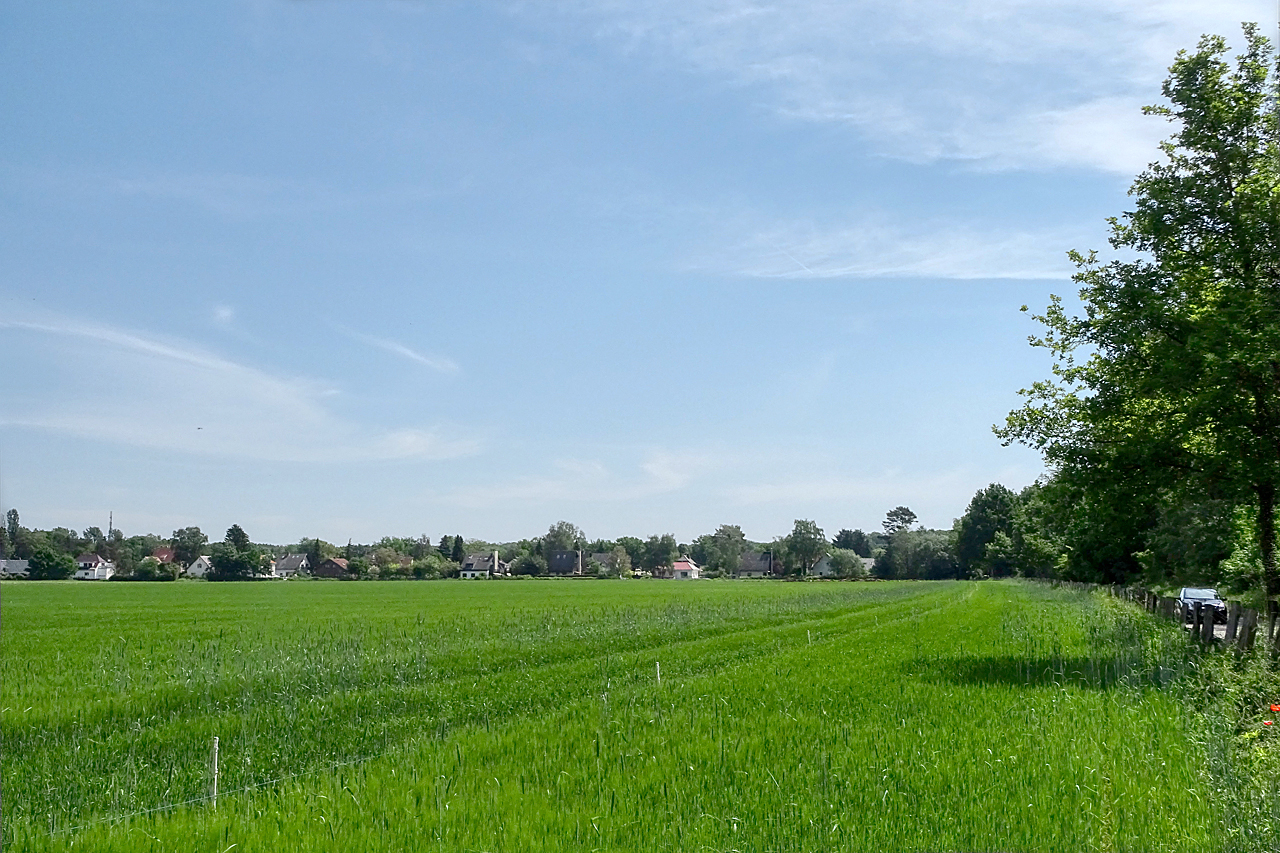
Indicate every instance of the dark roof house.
{"type": "Point", "coordinates": [291, 564]}
{"type": "Point", "coordinates": [333, 567]}
{"type": "Point", "coordinates": [488, 565]}
{"type": "Point", "coordinates": [754, 565]}
{"type": "Point", "coordinates": [564, 562]}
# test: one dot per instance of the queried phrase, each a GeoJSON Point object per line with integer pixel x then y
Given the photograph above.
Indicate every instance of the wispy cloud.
{"type": "Point", "coordinates": [439, 364]}
{"type": "Point", "coordinates": [1000, 83]}
{"type": "Point", "coordinates": [143, 389]}
{"type": "Point", "coordinates": [878, 248]}
{"type": "Point", "coordinates": [592, 481]}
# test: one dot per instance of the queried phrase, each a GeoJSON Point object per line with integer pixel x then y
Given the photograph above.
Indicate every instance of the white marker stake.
{"type": "Point", "coordinates": [215, 772]}
{"type": "Point", "coordinates": [658, 664]}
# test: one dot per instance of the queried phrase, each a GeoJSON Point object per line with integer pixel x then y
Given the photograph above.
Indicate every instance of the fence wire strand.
{"type": "Point", "coordinates": [118, 818]}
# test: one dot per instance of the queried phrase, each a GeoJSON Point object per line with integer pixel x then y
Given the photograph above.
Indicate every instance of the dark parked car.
{"type": "Point", "coordinates": [1190, 596]}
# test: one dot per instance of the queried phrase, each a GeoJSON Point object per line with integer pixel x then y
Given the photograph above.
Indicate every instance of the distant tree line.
{"type": "Point", "coordinates": [1043, 531]}
{"type": "Point", "coordinates": [51, 553]}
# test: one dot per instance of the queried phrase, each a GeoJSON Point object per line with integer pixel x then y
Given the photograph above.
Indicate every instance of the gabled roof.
{"type": "Point", "coordinates": [563, 562]}
{"type": "Point", "coordinates": [164, 554]}
{"type": "Point", "coordinates": [484, 562]}
{"type": "Point", "coordinates": [291, 562]}
{"type": "Point", "coordinates": [90, 559]}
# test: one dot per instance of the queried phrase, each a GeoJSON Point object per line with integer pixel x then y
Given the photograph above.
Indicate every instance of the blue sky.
{"type": "Point", "coordinates": [354, 269]}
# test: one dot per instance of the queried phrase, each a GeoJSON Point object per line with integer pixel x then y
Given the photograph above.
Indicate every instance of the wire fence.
{"type": "Point", "coordinates": [1242, 627]}
{"type": "Point", "coordinates": [212, 797]}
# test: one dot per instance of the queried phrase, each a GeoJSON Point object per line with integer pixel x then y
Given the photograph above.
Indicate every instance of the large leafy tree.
{"type": "Point", "coordinates": [806, 544]}
{"type": "Point", "coordinates": [48, 563]}
{"type": "Point", "coordinates": [720, 551]}
{"type": "Point", "coordinates": [853, 540]}
{"type": "Point", "coordinates": [898, 519]}
{"type": "Point", "coordinates": [1171, 376]}
{"type": "Point", "coordinates": [11, 525]}
{"type": "Point", "coordinates": [235, 557]}
{"type": "Point", "coordinates": [564, 536]}
{"type": "Point", "coordinates": [660, 551]}
{"type": "Point", "coordinates": [188, 544]}
{"type": "Point", "coordinates": [918, 554]}
{"type": "Point", "coordinates": [990, 512]}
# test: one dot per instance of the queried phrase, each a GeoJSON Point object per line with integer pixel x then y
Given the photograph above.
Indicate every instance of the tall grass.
{"type": "Point", "coordinates": [1232, 695]}
{"type": "Point", "coordinates": [527, 716]}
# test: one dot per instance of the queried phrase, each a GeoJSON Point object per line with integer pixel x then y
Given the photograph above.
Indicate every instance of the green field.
{"type": "Point", "coordinates": [521, 716]}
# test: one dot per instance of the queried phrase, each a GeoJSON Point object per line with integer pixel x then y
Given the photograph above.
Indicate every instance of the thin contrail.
{"type": "Point", "coordinates": [794, 258]}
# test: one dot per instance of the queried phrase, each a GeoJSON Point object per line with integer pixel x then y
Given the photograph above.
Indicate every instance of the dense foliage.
{"type": "Point", "coordinates": [1163, 416]}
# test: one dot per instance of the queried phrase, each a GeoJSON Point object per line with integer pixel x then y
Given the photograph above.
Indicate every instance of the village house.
{"type": "Point", "coordinates": [683, 569]}
{"type": "Point", "coordinates": [199, 567]}
{"type": "Point", "coordinates": [14, 569]}
{"type": "Point", "coordinates": [821, 569]}
{"type": "Point", "coordinates": [755, 565]}
{"type": "Point", "coordinates": [291, 565]}
{"type": "Point", "coordinates": [483, 566]}
{"type": "Point", "coordinates": [164, 554]}
{"type": "Point", "coordinates": [332, 567]}
{"type": "Point", "coordinates": [564, 562]}
{"type": "Point", "coordinates": [91, 567]}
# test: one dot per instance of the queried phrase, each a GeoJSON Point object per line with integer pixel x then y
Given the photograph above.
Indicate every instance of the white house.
{"type": "Point", "coordinates": [822, 569]}
{"type": "Point", "coordinates": [91, 567]}
{"type": "Point", "coordinates": [291, 565]}
{"type": "Point", "coordinates": [483, 567]}
{"type": "Point", "coordinates": [685, 569]}
{"type": "Point", "coordinates": [198, 568]}
{"type": "Point", "coordinates": [14, 569]}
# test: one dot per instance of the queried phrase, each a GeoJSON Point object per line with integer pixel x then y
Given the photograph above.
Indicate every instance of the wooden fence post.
{"type": "Point", "coordinates": [1272, 637]}
{"type": "Point", "coordinates": [1195, 618]}
{"type": "Point", "coordinates": [1233, 621]}
{"type": "Point", "coordinates": [1248, 625]}
{"type": "Point", "coordinates": [1208, 616]}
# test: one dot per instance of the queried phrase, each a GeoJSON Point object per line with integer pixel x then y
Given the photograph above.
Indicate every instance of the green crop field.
{"type": "Point", "coordinates": [525, 716]}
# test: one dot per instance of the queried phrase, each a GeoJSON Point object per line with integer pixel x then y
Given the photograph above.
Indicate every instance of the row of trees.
{"type": "Point", "coordinates": [1161, 421]}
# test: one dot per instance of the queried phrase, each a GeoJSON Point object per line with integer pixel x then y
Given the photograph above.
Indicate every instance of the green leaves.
{"type": "Point", "coordinates": [1172, 373]}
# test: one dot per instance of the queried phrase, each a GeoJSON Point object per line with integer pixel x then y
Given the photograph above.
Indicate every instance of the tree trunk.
{"type": "Point", "coordinates": [1267, 538]}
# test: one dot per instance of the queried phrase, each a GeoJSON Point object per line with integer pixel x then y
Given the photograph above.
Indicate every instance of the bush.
{"type": "Point", "coordinates": [846, 563]}
{"type": "Point", "coordinates": [46, 563]}
{"type": "Point", "coordinates": [151, 569]}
